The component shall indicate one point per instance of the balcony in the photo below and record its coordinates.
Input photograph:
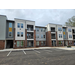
(73, 31)
(30, 28)
(73, 37)
(30, 35)
(52, 29)
(53, 38)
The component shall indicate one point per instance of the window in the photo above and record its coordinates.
(70, 36)
(41, 43)
(22, 43)
(18, 43)
(41, 36)
(10, 29)
(37, 29)
(69, 29)
(41, 29)
(21, 25)
(37, 43)
(44, 42)
(37, 35)
(18, 25)
(70, 42)
(10, 33)
(18, 34)
(10, 25)
(60, 35)
(21, 34)
(44, 36)
(59, 29)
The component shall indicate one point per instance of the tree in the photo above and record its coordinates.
(71, 21)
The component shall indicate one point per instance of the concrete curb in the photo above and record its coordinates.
(22, 49)
(40, 48)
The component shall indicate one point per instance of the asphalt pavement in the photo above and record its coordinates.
(38, 57)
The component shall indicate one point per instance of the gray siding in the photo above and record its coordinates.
(2, 27)
(7, 29)
(40, 33)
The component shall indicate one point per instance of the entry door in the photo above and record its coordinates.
(29, 43)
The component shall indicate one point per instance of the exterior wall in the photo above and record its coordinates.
(30, 23)
(2, 44)
(48, 39)
(40, 33)
(40, 44)
(19, 29)
(59, 32)
(69, 33)
(34, 38)
(7, 29)
(2, 27)
(71, 44)
(19, 46)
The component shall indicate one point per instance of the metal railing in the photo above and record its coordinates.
(53, 38)
(52, 30)
(29, 37)
(29, 29)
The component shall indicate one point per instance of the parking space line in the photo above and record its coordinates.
(24, 52)
(48, 50)
(36, 51)
(8, 53)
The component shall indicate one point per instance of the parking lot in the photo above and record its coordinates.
(38, 57)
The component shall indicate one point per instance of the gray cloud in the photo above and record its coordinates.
(40, 16)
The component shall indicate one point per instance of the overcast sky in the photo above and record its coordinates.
(41, 16)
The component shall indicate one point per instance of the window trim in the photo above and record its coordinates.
(21, 32)
(36, 35)
(17, 34)
(41, 35)
(11, 34)
(59, 29)
(22, 25)
(17, 25)
(69, 29)
(38, 43)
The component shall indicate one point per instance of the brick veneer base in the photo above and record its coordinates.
(2, 44)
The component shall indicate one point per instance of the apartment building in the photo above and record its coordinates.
(20, 33)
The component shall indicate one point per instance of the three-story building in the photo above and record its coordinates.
(20, 33)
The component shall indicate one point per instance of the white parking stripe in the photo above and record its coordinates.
(24, 52)
(8, 53)
(48, 50)
(36, 51)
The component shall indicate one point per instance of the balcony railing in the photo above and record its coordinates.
(29, 37)
(29, 29)
(53, 38)
(52, 30)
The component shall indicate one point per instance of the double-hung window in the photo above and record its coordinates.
(21, 34)
(22, 25)
(18, 34)
(18, 25)
(37, 35)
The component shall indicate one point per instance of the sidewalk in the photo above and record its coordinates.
(25, 49)
(63, 48)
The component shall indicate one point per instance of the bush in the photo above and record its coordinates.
(68, 46)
